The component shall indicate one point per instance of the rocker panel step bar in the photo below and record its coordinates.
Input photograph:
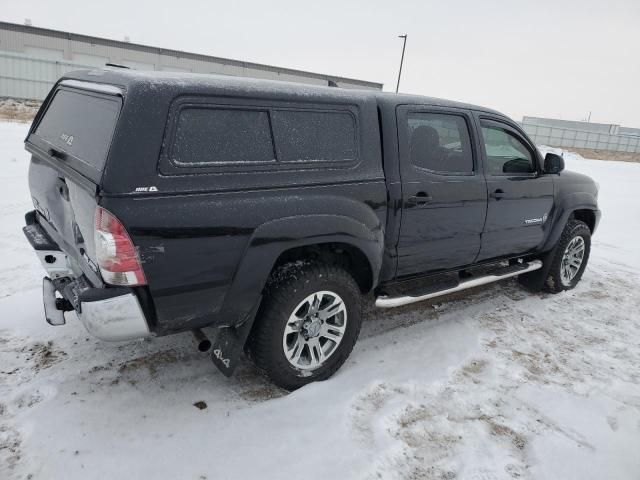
(390, 302)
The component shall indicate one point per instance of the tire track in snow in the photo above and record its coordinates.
(573, 341)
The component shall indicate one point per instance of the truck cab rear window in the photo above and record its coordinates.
(81, 125)
(206, 136)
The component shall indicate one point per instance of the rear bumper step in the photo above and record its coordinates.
(512, 271)
(53, 260)
(52, 313)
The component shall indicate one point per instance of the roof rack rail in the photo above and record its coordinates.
(115, 65)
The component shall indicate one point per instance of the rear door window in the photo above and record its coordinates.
(440, 143)
(80, 125)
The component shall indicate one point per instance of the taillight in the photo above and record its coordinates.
(117, 256)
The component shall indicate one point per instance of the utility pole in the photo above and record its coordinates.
(404, 44)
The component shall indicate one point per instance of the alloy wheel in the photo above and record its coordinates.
(314, 330)
(572, 260)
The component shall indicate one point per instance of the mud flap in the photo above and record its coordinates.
(534, 281)
(229, 343)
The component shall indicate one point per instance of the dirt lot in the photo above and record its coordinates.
(17, 110)
(605, 155)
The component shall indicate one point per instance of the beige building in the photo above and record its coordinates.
(32, 59)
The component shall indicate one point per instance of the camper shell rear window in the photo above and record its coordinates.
(77, 128)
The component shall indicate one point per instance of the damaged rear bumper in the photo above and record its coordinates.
(109, 313)
(112, 314)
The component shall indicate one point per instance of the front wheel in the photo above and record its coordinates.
(308, 324)
(572, 255)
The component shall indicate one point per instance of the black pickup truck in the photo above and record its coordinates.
(167, 202)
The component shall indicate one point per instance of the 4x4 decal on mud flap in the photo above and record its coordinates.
(218, 354)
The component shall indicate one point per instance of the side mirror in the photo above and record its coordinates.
(517, 165)
(553, 163)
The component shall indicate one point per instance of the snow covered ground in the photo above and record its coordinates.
(499, 383)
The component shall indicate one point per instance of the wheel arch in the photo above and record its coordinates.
(345, 255)
(588, 214)
(585, 215)
(582, 206)
(338, 239)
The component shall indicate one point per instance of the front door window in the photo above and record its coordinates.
(506, 153)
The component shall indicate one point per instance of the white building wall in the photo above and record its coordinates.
(32, 59)
(596, 136)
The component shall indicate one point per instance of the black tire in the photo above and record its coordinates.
(555, 282)
(287, 288)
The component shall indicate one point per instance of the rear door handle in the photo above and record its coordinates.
(55, 153)
(419, 199)
(498, 194)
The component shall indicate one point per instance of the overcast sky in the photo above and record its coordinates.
(558, 59)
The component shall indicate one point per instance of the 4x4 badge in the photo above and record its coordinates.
(218, 354)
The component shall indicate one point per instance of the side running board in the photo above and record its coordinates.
(512, 271)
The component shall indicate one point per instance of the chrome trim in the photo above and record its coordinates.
(59, 267)
(390, 302)
(115, 319)
(52, 314)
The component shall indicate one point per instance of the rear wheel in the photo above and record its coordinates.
(307, 325)
(571, 257)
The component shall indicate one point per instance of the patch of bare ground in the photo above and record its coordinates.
(43, 355)
(18, 110)
(10, 452)
(151, 362)
(254, 387)
(500, 430)
(261, 394)
(589, 153)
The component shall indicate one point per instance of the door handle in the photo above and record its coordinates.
(498, 194)
(419, 199)
(55, 153)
